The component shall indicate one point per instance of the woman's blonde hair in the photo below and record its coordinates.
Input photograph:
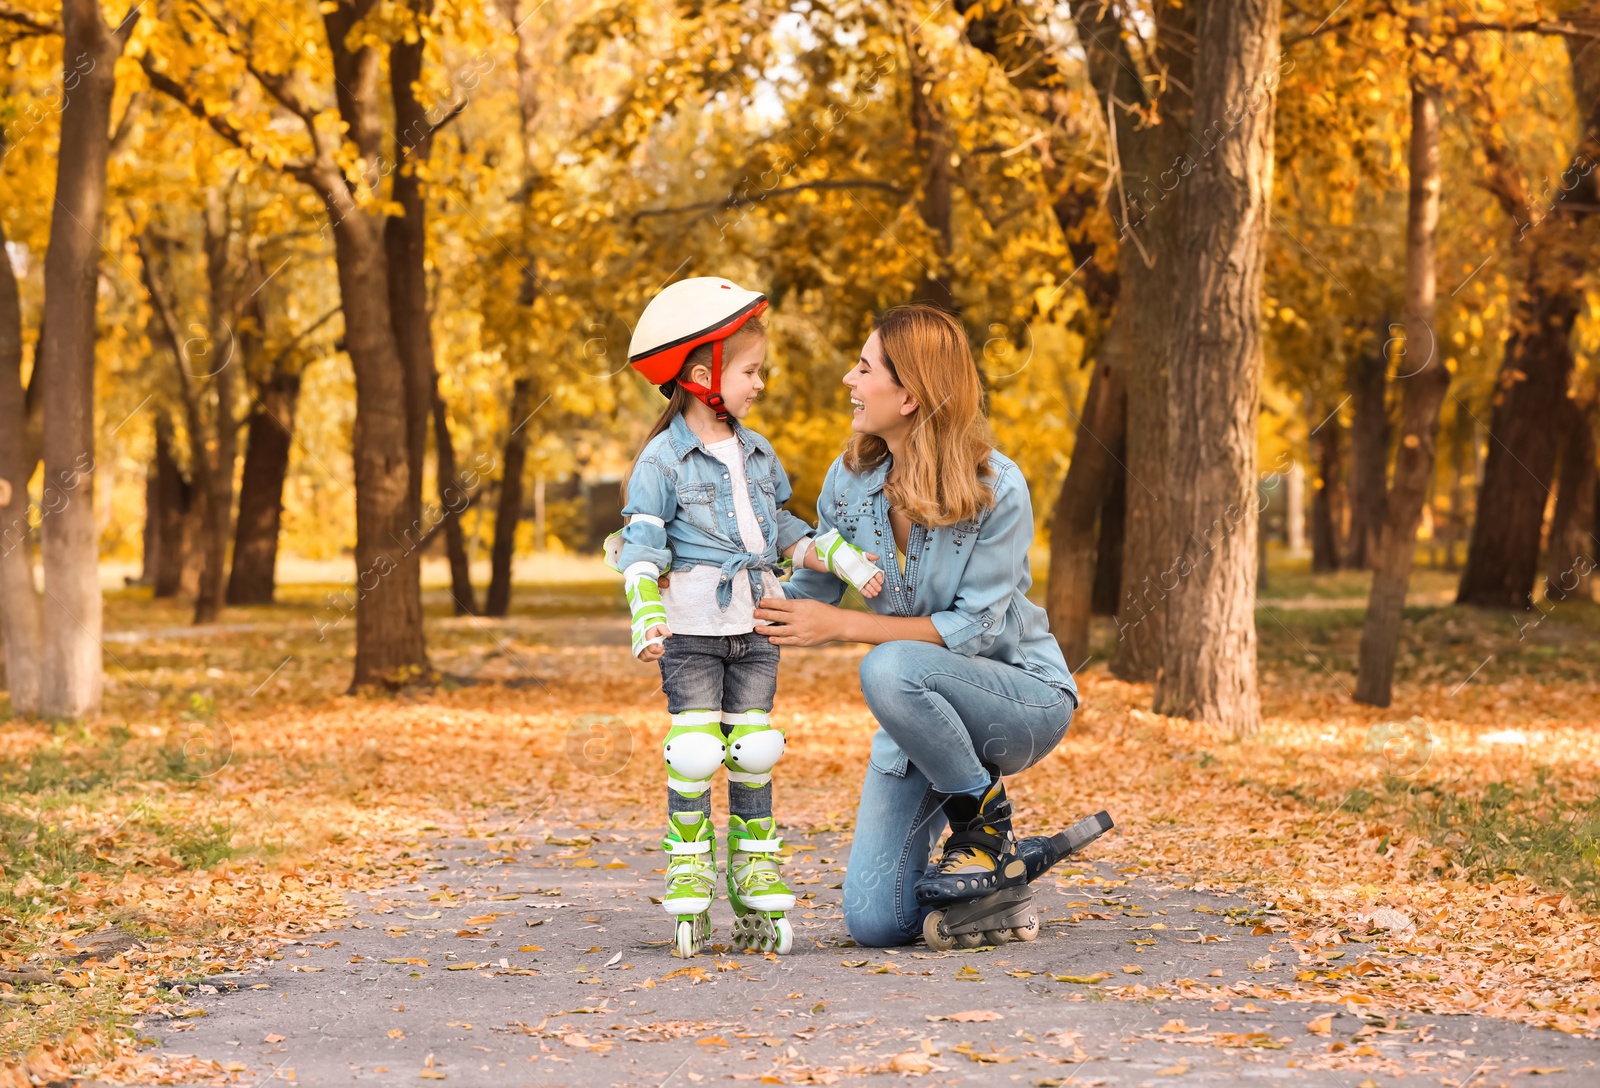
(944, 479)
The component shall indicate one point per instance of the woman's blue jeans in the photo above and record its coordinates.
(944, 721)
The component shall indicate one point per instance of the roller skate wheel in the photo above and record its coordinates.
(933, 932)
(969, 940)
(1029, 931)
(686, 938)
(785, 936)
(996, 936)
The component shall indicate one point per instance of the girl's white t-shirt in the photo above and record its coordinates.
(690, 596)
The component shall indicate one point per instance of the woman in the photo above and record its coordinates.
(965, 680)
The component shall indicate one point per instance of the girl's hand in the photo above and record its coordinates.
(814, 561)
(798, 622)
(653, 652)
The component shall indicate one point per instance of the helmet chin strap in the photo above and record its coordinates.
(711, 398)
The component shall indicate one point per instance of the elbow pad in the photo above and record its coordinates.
(845, 560)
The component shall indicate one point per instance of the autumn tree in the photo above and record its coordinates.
(1192, 110)
(1552, 243)
(61, 631)
(347, 170)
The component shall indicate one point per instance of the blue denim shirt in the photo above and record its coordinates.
(677, 483)
(970, 578)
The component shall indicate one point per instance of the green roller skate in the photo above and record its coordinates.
(756, 890)
(690, 844)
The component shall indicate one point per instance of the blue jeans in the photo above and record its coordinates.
(944, 720)
(719, 672)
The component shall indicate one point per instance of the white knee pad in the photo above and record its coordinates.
(754, 747)
(694, 749)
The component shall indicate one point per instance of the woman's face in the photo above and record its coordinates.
(882, 406)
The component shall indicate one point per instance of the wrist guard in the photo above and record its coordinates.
(644, 601)
(845, 560)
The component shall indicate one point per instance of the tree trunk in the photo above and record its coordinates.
(19, 595)
(1108, 548)
(389, 639)
(453, 500)
(509, 511)
(406, 243)
(1147, 214)
(1209, 667)
(1085, 562)
(1369, 448)
(1422, 392)
(174, 515)
(1461, 443)
(269, 435)
(1096, 457)
(1572, 528)
(200, 494)
(1327, 500)
(221, 366)
(1295, 530)
(69, 544)
(934, 205)
(150, 536)
(405, 238)
(1503, 557)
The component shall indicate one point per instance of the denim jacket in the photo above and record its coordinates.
(970, 578)
(680, 508)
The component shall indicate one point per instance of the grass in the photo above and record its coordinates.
(1513, 827)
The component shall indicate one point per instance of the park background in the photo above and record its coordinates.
(1288, 317)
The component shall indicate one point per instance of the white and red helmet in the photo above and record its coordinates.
(686, 314)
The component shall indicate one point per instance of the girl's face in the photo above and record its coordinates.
(882, 406)
(741, 377)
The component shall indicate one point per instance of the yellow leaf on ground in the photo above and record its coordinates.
(912, 1061)
(970, 1016)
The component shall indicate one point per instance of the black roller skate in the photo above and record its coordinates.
(980, 855)
(1007, 913)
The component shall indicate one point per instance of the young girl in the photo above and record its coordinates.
(706, 499)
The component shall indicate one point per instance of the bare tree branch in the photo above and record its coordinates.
(32, 25)
(734, 200)
(302, 334)
(124, 130)
(275, 83)
(300, 171)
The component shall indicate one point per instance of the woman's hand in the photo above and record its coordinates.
(798, 622)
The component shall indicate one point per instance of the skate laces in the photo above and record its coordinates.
(752, 858)
(691, 856)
